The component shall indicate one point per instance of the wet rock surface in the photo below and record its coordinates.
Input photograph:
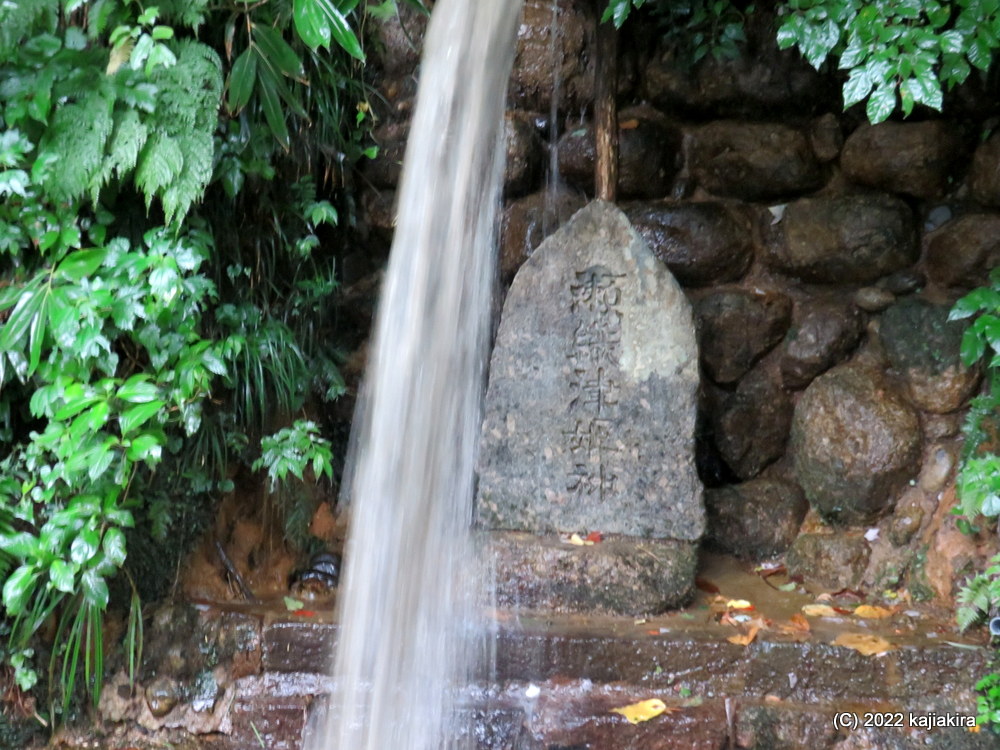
(628, 576)
(823, 334)
(855, 443)
(524, 153)
(961, 253)
(535, 71)
(984, 176)
(701, 243)
(737, 327)
(911, 158)
(751, 85)
(835, 561)
(924, 347)
(850, 238)
(528, 221)
(754, 161)
(752, 423)
(755, 520)
(647, 155)
(590, 410)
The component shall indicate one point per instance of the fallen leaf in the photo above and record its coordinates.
(790, 586)
(771, 698)
(869, 612)
(799, 622)
(746, 639)
(293, 605)
(738, 604)
(629, 124)
(595, 537)
(819, 610)
(305, 613)
(642, 711)
(824, 597)
(867, 644)
(706, 585)
(578, 541)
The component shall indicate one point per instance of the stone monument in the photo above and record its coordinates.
(589, 427)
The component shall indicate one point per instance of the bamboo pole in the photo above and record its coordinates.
(606, 110)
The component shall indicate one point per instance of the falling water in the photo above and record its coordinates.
(411, 575)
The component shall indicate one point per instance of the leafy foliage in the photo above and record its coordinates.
(139, 356)
(980, 596)
(898, 54)
(895, 54)
(979, 478)
(988, 702)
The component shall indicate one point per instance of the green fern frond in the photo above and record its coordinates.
(77, 138)
(190, 13)
(129, 138)
(160, 162)
(198, 149)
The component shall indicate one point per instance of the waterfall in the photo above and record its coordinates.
(411, 578)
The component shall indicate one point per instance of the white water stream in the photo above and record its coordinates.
(412, 577)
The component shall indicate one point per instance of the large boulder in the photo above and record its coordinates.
(737, 327)
(823, 334)
(961, 252)
(835, 561)
(701, 243)
(855, 442)
(647, 155)
(984, 176)
(912, 158)
(536, 73)
(843, 239)
(528, 221)
(754, 161)
(524, 154)
(924, 347)
(752, 423)
(756, 519)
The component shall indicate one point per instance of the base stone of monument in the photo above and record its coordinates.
(589, 426)
(620, 575)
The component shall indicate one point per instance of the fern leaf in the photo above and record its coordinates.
(198, 150)
(20, 20)
(160, 162)
(129, 138)
(77, 139)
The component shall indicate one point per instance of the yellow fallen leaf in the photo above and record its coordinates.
(641, 711)
(744, 640)
(869, 645)
(578, 541)
(872, 613)
(819, 610)
(739, 604)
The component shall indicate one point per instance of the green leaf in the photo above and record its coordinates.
(21, 545)
(341, 30)
(84, 546)
(15, 330)
(63, 576)
(271, 104)
(138, 390)
(857, 87)
(310, 23)
(882, 103)
(19, 586)
(138, 415)
(145, 447)
(276, 51)
(95, 589)
(114, 546)
(972, 349)
(241, 81)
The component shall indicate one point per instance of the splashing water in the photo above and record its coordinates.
(407, 604)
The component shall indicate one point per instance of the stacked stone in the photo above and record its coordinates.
(821, 256)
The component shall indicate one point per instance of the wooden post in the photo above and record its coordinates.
(606, 110)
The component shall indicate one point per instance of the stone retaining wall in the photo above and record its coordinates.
(821, 253)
